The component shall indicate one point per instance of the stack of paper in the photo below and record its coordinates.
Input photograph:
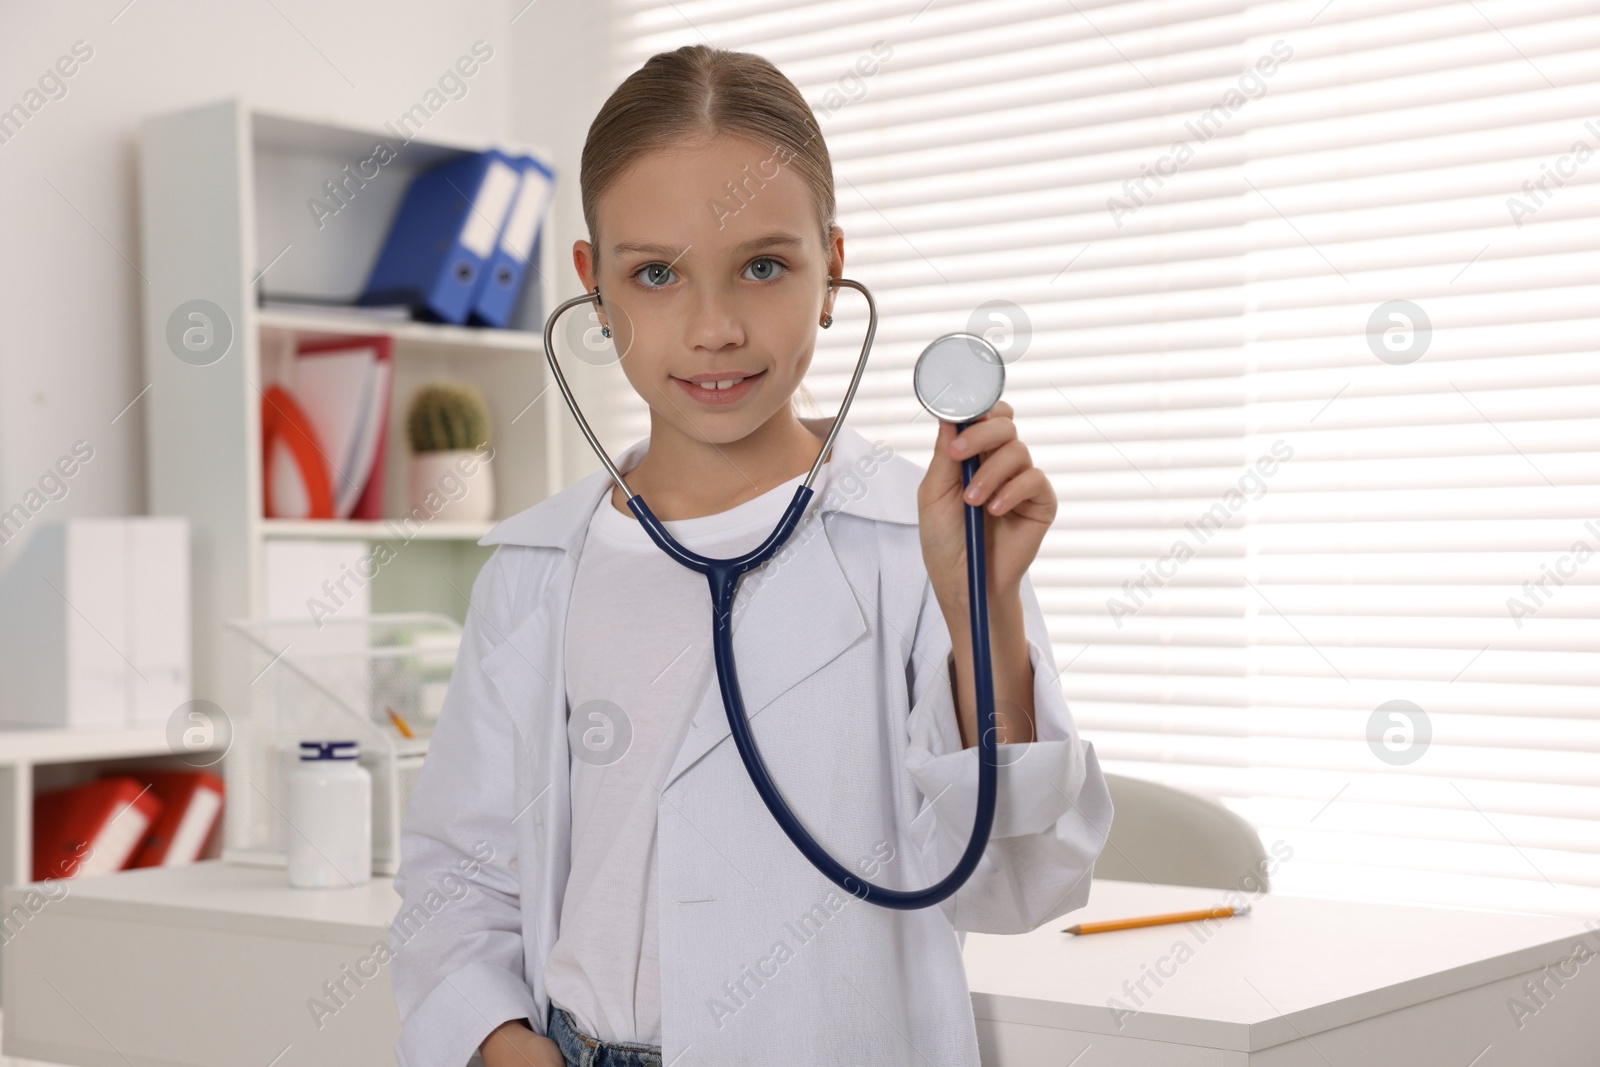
(335, 309)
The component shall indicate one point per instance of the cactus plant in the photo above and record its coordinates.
(447, 416)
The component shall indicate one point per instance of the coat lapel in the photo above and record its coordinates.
(792, 617)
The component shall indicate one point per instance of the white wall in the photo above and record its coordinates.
(69, 280)
(562, 74)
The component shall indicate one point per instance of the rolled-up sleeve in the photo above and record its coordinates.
(1052, 808)
(456, 945)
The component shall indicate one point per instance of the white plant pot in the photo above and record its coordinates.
(453, 486)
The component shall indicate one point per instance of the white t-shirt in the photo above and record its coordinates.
(638, 663)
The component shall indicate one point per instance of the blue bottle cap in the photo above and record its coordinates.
(319, 750)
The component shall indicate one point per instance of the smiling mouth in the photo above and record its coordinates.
(721, 383)
(720, 392)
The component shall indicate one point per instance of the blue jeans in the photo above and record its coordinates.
(581, 1050)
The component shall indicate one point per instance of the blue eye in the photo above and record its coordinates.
(654, 275)
(774, 269)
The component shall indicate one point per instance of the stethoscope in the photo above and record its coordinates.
(958, 378)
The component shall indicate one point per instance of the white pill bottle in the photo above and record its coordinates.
(330, 817)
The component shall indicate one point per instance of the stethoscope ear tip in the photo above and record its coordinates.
(959, 377)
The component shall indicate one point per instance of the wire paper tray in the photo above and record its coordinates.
(337, 679)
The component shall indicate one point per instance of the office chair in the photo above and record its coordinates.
(1166, 835)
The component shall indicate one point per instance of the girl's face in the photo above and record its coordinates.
(711, 270)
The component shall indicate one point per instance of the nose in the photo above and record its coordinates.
(715, 321)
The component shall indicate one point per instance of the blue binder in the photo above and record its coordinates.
(501, 287)
(443, 234)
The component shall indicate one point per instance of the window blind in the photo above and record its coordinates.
(1300, 308)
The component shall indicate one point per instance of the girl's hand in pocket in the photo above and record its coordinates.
(512, 1044)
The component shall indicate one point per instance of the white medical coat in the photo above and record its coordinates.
(844, 661)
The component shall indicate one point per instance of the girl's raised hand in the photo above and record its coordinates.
(1018, 506)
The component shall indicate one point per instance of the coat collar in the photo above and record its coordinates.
(561, 520)
(803, 586)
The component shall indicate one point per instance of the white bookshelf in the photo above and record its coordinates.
(224, 192)
(370, 531)
(437, 335)
(39, 759)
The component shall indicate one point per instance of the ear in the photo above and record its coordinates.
(583, 260)
(835, 268)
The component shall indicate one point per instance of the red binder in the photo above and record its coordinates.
(359, 422)
(192, 805)
(91, 829)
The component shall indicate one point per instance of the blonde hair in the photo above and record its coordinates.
(695, 93)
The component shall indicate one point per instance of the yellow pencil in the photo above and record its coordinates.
(399, 723)
(1157, 920)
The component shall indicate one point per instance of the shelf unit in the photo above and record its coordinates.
(35, 760)
(428, 333)
(226, 196)
(371, 531)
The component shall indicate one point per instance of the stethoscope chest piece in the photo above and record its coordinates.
(959, 377)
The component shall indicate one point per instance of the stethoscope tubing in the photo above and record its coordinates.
(723, 576)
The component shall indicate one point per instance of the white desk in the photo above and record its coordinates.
(207, 964)
(217, 964)
(1299, 982)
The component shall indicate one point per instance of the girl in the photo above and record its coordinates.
(588, 876)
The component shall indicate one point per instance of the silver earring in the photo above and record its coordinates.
(605, 331)
(827, 320)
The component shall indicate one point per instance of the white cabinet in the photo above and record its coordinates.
(234, 201)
